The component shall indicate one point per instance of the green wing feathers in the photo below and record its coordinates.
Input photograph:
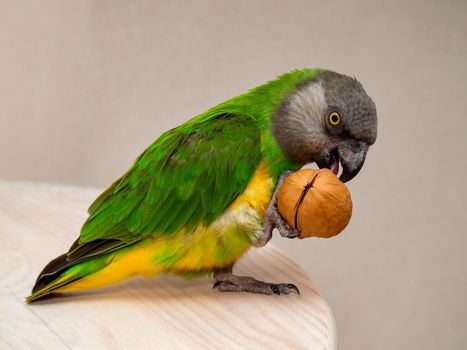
(190, 175)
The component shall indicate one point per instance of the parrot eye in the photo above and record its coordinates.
(334, 118)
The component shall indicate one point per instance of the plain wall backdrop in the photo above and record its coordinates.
(86, 86)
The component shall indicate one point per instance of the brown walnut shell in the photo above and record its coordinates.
(315, 202)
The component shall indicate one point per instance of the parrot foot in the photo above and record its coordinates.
(227, 282)
(272, 218)
(284, 229)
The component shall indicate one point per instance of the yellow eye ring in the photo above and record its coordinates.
(334, 118)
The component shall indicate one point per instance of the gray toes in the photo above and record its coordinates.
(254, 286)
(275, 289)
(225, 286)
(286, 231)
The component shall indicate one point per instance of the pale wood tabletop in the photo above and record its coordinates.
(39, 222)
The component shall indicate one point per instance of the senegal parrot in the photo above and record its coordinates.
(206, 191)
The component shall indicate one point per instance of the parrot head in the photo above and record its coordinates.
(328, 120)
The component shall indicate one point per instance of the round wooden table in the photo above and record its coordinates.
(39, 222)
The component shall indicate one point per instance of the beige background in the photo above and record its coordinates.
(85, 86)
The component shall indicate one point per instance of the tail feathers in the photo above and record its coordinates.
(51, 271)
(50, 288)
(80, 254)
(61, 272)
(96, 264)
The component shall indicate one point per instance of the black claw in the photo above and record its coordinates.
(292, 234)
(275, 289)
(294, 287)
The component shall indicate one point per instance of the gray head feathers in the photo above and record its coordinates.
(300, 125)
(358, 110)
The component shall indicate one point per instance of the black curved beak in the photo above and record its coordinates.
(351, 154)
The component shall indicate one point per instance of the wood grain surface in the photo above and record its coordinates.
(39, 222)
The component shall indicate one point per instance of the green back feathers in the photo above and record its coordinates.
(193, 172)
(261, 104)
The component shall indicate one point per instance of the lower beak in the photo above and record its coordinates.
(352, 155)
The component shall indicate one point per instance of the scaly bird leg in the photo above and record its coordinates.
(226, 281)
(272, 218)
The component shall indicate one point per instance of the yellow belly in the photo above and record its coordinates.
(207, 248)
(231, 235)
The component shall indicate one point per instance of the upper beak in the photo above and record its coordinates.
(352, 155)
